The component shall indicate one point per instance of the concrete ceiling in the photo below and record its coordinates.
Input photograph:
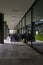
(14, 10)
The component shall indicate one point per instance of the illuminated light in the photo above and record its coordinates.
(41, 20)
(36, 32)
(12, 31)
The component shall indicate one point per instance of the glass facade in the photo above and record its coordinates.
(33, 21)
(28, 18)
(20, 27)
(38, 10)
(38, 20)
(23, 22)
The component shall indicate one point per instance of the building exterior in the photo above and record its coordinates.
(33, 15)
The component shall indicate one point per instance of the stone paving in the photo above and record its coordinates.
(19, 53)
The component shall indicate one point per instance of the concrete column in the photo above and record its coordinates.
(6, 30)
(1, 28)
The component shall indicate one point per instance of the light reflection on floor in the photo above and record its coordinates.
(7, 40)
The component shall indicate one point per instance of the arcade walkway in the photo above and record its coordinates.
(19, 53)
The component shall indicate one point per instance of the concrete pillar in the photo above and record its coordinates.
(1, 28)
(6, 30)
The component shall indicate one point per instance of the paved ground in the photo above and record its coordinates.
(19, 53)
(38, 45)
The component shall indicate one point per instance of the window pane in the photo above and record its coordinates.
(38, 10)
(23, 21)
(28, 18)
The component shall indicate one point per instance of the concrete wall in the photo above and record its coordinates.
(1, 27)
(6, 30)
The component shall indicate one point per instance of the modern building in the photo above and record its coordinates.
(23, 19)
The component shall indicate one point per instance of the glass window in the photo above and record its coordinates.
(38, 10)
(38, 19)
(23, 22)
(22, 31)
(28, 18)
(20, 24)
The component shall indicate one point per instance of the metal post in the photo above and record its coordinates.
(31, 24)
